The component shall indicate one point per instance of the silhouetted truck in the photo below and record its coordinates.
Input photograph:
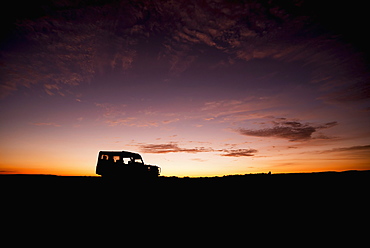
(124, 164)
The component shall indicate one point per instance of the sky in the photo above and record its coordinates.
(199, 88)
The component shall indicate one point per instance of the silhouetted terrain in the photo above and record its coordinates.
(294, 180)
(296, 185)
(311, 205)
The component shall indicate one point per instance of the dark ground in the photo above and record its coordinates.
(276, 189)
(313, 204)
(348, 184)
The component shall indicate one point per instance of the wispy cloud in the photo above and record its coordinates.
(351, 92)
(198, 160)
(362, 148)
(122, 114)
(170, 121)
(132, 122)
(51, 89)
(46, 124)
(112, 110)
(239, 152)
(171, 148)
(174, 148)
(291, 130)
(68, 47)
(237, 110)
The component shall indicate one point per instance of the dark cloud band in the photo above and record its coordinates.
(173, 148)
(291, 130)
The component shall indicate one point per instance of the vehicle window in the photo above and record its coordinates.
(138, 160)
(126, 160)
(116, 159)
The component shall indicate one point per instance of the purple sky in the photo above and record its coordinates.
(197, 87)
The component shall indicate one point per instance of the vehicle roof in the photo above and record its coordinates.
(121, 153)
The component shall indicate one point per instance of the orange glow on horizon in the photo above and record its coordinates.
(89, 170)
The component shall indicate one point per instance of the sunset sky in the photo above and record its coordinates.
(199, 88)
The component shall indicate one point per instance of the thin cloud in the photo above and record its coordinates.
(51, 89)
(239, 152)
(348, 149)
(291, 130)
(171, 148)
(170, 121)
(174, 148)
(112, 110)
(236, 110)
(353, 92)
(199, 160)
(132, 122)
(46, 124)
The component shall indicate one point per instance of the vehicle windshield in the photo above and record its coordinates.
(138, 160)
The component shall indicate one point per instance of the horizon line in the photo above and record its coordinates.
(229, 175)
